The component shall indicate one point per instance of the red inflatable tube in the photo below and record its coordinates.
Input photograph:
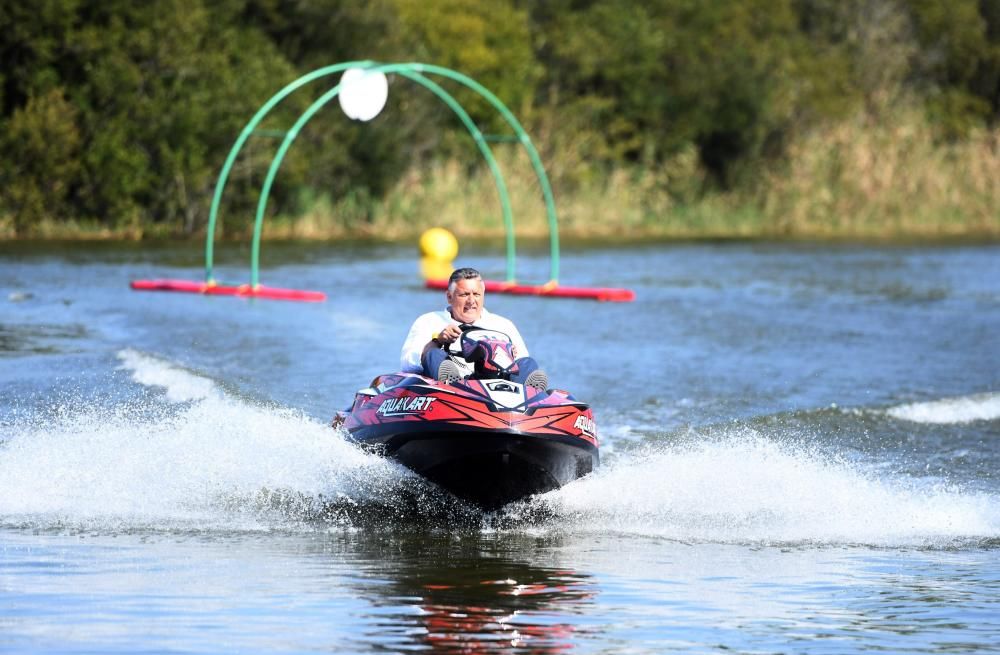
(605, 294)
(243, 290)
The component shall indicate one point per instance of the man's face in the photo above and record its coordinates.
(466, 301)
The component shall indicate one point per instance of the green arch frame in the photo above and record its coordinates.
(414, 72)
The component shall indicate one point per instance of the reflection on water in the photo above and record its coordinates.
(476, 613)
(484, 596)
(38, 339)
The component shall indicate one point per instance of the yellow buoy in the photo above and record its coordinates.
(435, 269)
(438, 249)
(439, 243)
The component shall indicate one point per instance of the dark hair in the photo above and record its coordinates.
(462, 274)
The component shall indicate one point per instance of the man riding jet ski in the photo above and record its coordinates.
(426, 347)
(471, 411)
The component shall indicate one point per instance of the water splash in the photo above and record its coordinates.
(746, 488)
(179, 384)
(190, 456)
(193, 458)
(963, 409)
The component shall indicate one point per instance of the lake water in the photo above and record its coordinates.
(800, 453)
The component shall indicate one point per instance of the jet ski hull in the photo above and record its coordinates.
(488, 442)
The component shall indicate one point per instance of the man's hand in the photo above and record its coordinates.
(450, 334)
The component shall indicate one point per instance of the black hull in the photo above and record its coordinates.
(489, 469)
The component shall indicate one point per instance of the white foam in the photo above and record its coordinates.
(209, 463)
(964, 409)
(201, 459)
(746, 488)
(180, 385)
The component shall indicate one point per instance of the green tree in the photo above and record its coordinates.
(159, 92)
(32, 49)
(958, 66)
(41, 146)
(661, 75)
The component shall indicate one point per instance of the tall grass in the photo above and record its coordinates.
(857, 179)
(625, 203)
(886, 179)
(860, 178)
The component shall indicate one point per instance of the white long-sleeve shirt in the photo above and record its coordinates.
(431, 323)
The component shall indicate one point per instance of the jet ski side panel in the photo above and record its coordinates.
(485, 443)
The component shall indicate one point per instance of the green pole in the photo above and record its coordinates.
(484, 148)
(412, 71)
(220, 184)
(536, 160)
(404, 70)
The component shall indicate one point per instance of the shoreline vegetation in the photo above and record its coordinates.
(677, 119)
(860, 180)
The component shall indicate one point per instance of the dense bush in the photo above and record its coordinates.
(119, 114)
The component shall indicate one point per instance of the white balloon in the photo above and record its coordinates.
(363, 93)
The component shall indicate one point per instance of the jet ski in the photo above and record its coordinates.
(484, 437)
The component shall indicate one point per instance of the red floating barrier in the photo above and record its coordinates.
(243, 290)
(604, 294)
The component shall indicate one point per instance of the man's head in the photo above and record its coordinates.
(465, 295)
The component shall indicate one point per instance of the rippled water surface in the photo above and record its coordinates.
(799, 454)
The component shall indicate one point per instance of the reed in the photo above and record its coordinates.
(891, 179)
(623, 204)
(79, 230)
(857, 179)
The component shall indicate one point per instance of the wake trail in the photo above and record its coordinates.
(962, 409)
(194, 458)
(748, 488)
